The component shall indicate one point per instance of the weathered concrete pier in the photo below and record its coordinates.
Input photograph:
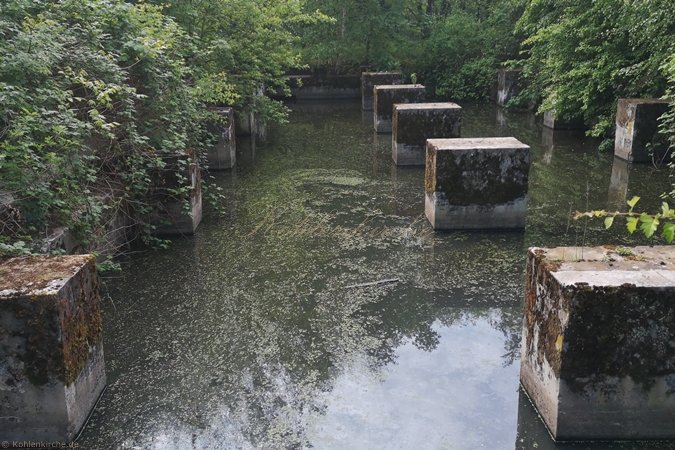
(637, 138)
(172, 218)
(508, 85)
(476, 183)
(51, 350)
(414, 123)
(598, 348)
(371, 79)
(386, 96)
(223, 154)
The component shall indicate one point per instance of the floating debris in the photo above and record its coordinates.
(374, 283)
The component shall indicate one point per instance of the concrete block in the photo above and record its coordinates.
(550, 121)
(508, 85)
(637, 138)
(476, 183)
(51, 351)
(414, 123)
(598, 346)
(223, 154)
(386, 96)
(371, 79)
(171, 216)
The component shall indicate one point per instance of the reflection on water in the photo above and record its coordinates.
(245, 335)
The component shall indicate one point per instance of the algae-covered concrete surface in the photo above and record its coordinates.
(244, 336)
(414, 123)
(371, 79)
(386, 96)
(599, 341)
(51, 353)
(476, 183)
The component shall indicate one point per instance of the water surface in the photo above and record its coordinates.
(251, 334)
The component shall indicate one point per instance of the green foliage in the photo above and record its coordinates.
(455, 46)
(93, 95)
(242, 48)
(580, 57)
(463, 52)
(649, 223)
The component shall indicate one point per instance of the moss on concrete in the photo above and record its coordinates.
(475, 177)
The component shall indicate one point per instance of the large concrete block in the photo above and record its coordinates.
(476, 183)
(51, 352)
(386, 96)
(598, 348)
(223, 154)
(180, 210)
(637, 138)
(508, 85)
(371, 79)
(554, 123)
(414, 123)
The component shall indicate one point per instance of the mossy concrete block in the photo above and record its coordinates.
(223, 154)
(371, 79)
(598, 348)
(637, 138)
(414, 123)
(386, 96)
(51, 351)
(476, 183)
(555, 123)
(508, 85)
(178, 213)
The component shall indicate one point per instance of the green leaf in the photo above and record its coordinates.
(633, 201)
(649, 225)
(665, 209)
(609, 221)
(669, 232)
(631, 224)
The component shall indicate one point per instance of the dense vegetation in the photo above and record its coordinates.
(97, 95)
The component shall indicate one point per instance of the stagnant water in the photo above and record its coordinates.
(249, 334)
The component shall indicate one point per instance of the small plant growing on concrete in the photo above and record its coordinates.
(624, 251)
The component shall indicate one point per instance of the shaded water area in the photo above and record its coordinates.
(251, 334)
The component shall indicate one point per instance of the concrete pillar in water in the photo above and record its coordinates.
(414, 123)
(371, 79)
(172, 206)
(386, 96)
(508, 85)
(51, 351)
(476, 183)
(550, 121)
(245, 123)
(637, 135)
(223, 154)
(598, 349)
